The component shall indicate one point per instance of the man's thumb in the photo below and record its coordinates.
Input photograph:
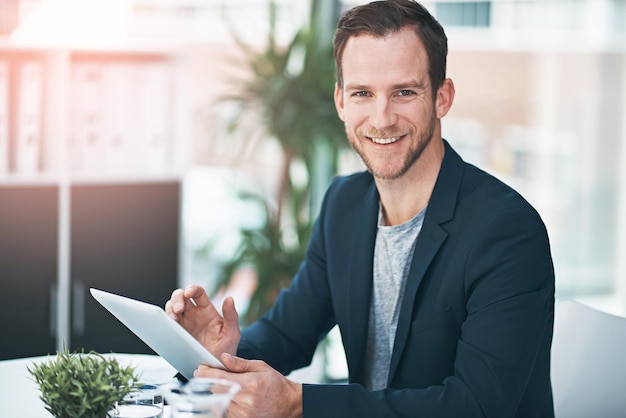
(234, 363)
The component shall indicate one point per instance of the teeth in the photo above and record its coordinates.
(384, 141)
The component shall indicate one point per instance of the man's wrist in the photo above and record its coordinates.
(295, 403)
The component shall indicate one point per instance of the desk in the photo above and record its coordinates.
(19, 394)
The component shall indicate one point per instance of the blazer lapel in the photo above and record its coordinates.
(432, 236)
(360, 281)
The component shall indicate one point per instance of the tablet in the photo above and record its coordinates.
(164, 335)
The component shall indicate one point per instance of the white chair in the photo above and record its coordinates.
(588, 362)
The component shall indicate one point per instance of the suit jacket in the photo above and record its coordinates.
(475, 326)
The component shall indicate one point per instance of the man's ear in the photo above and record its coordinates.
(444, 98)
(339, 101)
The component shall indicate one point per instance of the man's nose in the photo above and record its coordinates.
(383, 114)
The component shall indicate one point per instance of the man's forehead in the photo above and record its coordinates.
(396, 47)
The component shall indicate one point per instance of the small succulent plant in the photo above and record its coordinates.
(82, 385)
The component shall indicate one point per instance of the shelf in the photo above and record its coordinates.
(99, 116)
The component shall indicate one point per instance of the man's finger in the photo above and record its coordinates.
(176, 304)
(198, 295)
(168, 309)
(231, 318)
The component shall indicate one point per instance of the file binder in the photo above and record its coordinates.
(156, 117)
(87, 119)
(4, 118)
(121, 102)
(29, 116)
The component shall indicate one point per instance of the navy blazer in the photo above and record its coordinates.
(475, 326)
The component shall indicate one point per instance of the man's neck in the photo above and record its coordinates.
(402, 198)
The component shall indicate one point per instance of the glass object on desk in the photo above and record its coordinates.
(145, 403)
(200, 397)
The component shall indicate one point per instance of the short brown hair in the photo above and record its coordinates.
(380, 18)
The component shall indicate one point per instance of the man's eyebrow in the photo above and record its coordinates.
(356, 87)
(417, 85)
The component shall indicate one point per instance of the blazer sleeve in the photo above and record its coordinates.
(287, 336)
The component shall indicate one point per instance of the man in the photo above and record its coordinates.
(439, 276)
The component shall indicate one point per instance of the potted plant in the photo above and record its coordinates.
(290, 91)
(79, 385)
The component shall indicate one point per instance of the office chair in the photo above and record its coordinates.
(588, 362)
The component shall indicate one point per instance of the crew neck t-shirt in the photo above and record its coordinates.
(393, 254)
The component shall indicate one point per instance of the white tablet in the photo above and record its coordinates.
(164, 335)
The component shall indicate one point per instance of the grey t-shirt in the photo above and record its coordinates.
(393, 253)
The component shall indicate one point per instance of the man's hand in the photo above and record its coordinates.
(264, 391)
(193, 309)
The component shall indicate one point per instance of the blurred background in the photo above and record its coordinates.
(149, 144)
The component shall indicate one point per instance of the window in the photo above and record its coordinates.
(465, 14)
(619, 16)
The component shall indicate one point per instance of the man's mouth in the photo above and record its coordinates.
(384, 141)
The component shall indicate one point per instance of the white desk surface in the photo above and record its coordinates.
(19, 394)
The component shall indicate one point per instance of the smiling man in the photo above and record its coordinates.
(438, 275)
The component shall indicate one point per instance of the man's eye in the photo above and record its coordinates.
(360, 94)
(406, 92)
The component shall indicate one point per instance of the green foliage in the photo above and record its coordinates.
(275, 262)
(290, 88)
(79, 385)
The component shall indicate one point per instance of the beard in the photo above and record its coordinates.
(395, 169)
